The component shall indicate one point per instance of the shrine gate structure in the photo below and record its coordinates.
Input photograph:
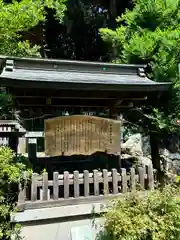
(75, 105)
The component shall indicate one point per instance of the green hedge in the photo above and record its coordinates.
(156, 217)
(11, 173)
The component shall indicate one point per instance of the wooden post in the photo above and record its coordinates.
(41, 194)
(141, 177)
(115, 181)
(21, 145)
(45, 186)
(22, 190)
(13, 143)
(150, 177)
(66, 185)
(21, 196)
(76, 184)
(55, 186)
(86, 183)
(32, 150)
(132, 179)
(105, 182)
(34, 187)
(96, 182)
(124, 180)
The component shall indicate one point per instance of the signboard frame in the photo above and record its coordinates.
(81, 135)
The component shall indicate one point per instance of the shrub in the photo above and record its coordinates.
(155, 217)
(10, 176)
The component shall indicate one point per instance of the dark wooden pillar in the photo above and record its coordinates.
(32, 151)
(13, 143)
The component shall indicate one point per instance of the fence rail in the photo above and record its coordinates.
(76, 185)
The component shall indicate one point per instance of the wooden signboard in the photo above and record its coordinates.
(78, 134)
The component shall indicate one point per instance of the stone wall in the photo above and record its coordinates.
(137, 147)
(72, 222)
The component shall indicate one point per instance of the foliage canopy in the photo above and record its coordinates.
(150, 34)
(21, 16)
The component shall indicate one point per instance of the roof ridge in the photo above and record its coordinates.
(32, 59)
(69, 65)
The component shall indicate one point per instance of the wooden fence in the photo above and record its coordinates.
(83, 185)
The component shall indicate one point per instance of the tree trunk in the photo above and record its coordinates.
(112, 8)
(156, 160)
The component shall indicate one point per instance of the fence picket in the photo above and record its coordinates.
(105, 182)
(150, 177)
(141, 177)
(132, 179)
(55, 186)
(41, 194)
(86, 183)
(115, 181)
(21, 196)
(96, 182)
(22, 189)
(34, 187)
(66, 185)
(76, 184)
(123, 180)
(45, 186)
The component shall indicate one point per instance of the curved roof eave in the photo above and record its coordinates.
(76, 74)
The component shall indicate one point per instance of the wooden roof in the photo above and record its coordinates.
(66, 74)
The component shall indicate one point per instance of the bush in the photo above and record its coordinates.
(155, 217)
(10, 176)
(24, 160)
